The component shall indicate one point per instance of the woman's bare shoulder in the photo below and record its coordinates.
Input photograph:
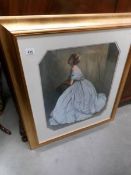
(75, 68)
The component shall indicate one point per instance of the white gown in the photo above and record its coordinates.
(78, 102)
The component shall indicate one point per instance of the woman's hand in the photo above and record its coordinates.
(68, 82)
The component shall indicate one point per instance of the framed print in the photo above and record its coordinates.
(67, 71)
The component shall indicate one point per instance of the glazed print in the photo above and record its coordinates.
(76, 83)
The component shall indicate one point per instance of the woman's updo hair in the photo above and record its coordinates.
(74, 59)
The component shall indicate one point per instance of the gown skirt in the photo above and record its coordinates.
(78, 102)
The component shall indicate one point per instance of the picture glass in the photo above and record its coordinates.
(76, 82)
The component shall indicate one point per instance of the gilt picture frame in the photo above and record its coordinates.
(67, 71)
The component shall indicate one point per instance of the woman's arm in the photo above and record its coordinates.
(71, 81)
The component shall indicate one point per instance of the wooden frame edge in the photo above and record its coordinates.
(39, 24)
(122, 83)
(11, 57)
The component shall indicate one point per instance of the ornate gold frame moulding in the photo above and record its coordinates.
(14, 26)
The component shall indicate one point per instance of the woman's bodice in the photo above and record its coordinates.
(77, 74)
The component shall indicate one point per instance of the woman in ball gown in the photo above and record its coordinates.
(79, 101)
